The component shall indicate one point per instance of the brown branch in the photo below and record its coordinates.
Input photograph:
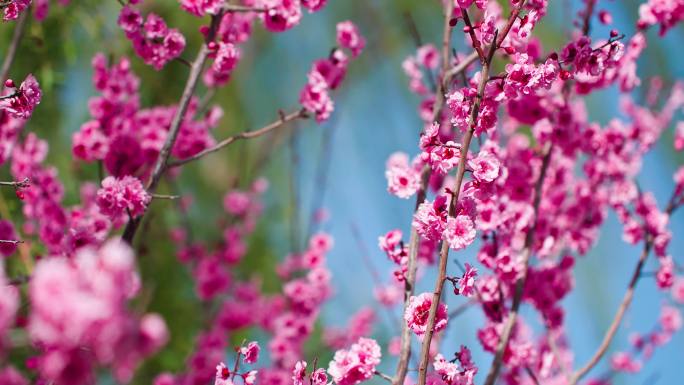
(20, 280)
(16, 184)
(384, 376)
(444, 251)
(588, 13)
(533, 376)
(624, 304)
(494, 369)
(165, 197)
(189, 90)
(242, 8)
(14, 44)
(299, 114)
(465, 145)
(414, 239)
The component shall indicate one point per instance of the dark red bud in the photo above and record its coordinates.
(20, 194)
(453, 22)
(565, 75)
(614, 33)
(466, 29)
(9, 83)
(553, 56)
(509, 50)
(212, 46)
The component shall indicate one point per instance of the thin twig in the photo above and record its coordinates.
(299, 114)
(384, 376)
(588, 13)
(624, 304)
(163, 196)
(17, 184)
(20, 280)
(242, 8)
(14, 44)
(530, 373)
(162, 159)
(414, 239)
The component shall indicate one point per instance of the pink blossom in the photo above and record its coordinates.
(390, 240)
(313, 5)
(299, 373)
(485, 167)
(451, 373)
(430, 220)
(21, 102)
(121, 196)
(350, 367)
(93, 289)
(670, 319)
(466, 284)
(416, 314)
(624, 362)
(222, 375)
(678, 290)
(11, 376)
(7, 233)
(9, 304)
(459, 232)
(348, 36)
(12, 9)
(225, 61)
(315, 98)
(679, 136)
(251, 352)
(665, 273)
(152, 40)
(402, 179)
(282, 14)
(202, 7)
(667, 13)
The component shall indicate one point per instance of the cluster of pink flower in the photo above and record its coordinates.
(21, 101)
(152, 39)
(91, 324)
(449, 371)
(125, 137)
(536, 185)
(357, 364)
(13, 8)
(327, 74)
(249, 355)
(121, 197)
(416, 314)
(667, 13)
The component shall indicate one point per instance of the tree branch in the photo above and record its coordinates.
(14, 44)
(414, 239)
(299, 114)
(624, 304)
(162, 159)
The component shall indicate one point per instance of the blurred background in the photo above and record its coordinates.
(338, 165)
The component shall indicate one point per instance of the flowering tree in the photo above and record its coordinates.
(508, 162)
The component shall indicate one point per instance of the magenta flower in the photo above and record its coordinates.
(353, 366)
(23, 100)
(416, 314)
(122, 196)
(250, 352)
(348, 36)
(459, 232)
